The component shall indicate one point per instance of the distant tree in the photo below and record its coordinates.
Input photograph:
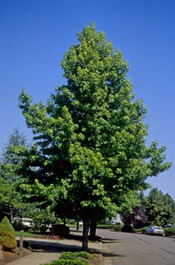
(169, 209)
(137, 217)
(90, 139)
(9, 164)
(132, 210)
(9, 158)
(160, 208)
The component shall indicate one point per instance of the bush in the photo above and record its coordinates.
(5, 221)
(140, 229)
(105, 226)
(118, 227)
(68, 255)
(84, 255)
(74, 255)
(71, 258)
(68, 262)
(169, 231)
(7, 237)
(127, 228)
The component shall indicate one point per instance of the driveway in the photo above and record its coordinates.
(137, 249)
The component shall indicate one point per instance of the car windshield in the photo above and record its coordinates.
(157, 227)
(26, 219)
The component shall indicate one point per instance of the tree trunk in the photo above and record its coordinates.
(93, 227)
(77, 224)
(85, 235)
(11, 215)
(52, 229)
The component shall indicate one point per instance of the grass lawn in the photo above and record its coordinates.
(26, 234)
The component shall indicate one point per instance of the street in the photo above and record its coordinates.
(136, 249)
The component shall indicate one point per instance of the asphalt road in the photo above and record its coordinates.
(136, 249)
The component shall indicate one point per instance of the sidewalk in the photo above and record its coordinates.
(35, 258)
(52, 251)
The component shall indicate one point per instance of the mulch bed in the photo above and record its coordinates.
(11, 256)
(96, 259)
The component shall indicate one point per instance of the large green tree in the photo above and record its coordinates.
(160, 208)
(90, 139)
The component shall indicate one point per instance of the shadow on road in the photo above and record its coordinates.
(110, 241)
(112, 254)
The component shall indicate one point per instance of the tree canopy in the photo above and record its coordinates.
(90, 138)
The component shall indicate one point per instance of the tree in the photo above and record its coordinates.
(132, 209)
(15, 139)
(90, 139)
(160, 208)
(9, 163)
(7, 235)
(137, 217)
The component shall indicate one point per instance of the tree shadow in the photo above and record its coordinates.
(79, 237)
(43, 246)
(112, 254)
(105, 253)
(110, 241)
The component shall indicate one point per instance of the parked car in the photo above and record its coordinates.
(154, 230)
(80, 223)
(27, 223)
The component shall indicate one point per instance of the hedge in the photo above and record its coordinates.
(170, 231)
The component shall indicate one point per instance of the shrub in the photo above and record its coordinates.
(140, 229)
(7, 238)
(74, 255)
(118, 227)
(105, 226)
(71, 258)
(127, 228)
(68, 262)
(83, 254)
(68, 255)
(5, 221)
(169, 231)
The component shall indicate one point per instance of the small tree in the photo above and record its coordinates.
(9, 164)
(7, 235)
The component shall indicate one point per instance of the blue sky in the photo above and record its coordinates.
(35, 34)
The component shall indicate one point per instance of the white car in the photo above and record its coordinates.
(27, 222)
(154, 230)
(80, 223)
